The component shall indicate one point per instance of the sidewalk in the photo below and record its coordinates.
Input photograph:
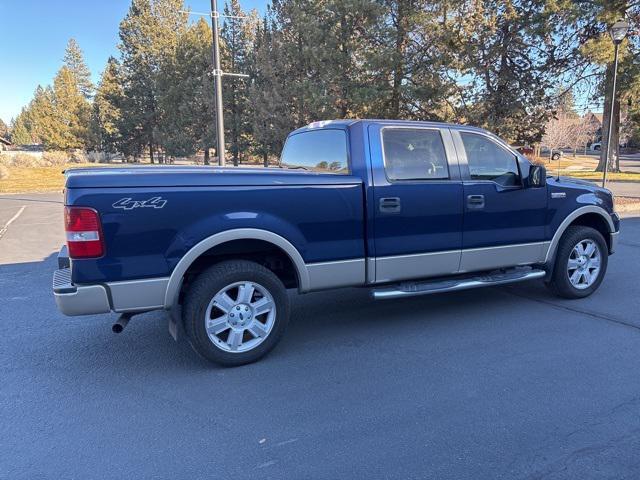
(625, 189)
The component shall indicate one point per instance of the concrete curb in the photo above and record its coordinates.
(628, 207)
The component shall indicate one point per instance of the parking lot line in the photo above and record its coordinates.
(4, 229)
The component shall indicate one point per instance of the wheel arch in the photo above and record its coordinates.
(591, 216)
(177, 276)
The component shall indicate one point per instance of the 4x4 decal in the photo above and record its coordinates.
(130, 204)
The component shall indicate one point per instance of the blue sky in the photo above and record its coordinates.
(35, 32)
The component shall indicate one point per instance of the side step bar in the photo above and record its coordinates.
(410, 289)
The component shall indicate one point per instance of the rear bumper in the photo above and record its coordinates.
(75, 300)
(127, 296)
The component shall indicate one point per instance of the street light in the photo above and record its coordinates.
(618, 32)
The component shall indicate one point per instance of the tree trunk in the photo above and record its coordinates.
(151, 152)
(614, 163)
(206, 156)
(265, 159)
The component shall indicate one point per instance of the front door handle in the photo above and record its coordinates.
(475, 202)
(390, 205)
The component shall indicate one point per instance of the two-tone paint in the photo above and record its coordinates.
(330, 226)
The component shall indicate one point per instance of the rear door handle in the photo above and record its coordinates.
(475, 202)
(390, 205)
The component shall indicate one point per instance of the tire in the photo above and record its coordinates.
(583, 265)
(555, 156)
(257, 312)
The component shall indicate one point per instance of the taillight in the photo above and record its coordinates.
(84, 232)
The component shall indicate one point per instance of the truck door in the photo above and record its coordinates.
(504, 221)
(418, 203)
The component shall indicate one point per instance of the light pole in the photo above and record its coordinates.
(618, 32)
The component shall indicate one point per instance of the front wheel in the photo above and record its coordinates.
(235, 312)
(581, 262)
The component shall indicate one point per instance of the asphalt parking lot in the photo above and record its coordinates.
(500, 383)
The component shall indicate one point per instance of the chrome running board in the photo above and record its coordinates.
(427, 287)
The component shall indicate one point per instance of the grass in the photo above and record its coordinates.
(37, 179)
(615, 176)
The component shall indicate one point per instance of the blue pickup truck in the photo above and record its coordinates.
(403, 208)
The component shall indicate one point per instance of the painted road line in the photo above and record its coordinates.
(4, 229)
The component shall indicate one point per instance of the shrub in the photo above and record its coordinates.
(78, 156)
(5, 160)
(26, 160)
(4, 172)
(56, 158)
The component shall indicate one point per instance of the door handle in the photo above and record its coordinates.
(475, 202)
(390, 205)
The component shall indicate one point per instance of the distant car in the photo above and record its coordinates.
(596, 147)
(528, 151)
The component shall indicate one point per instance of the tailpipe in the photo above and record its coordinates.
(122, 323)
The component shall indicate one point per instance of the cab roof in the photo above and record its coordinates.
(346, 123)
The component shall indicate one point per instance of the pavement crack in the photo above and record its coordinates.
(599, 316)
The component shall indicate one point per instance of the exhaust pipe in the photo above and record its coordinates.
(121, 324)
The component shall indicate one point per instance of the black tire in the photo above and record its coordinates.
(560, 283)
(555, 156)
(212, 281)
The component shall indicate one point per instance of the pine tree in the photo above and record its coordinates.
(237, 37)
(598, 49)
(270, 93)
(186, 95)
(149, 35)
(4, 129)
(74, 61)
(106, 114)
(511, 54)
(21, 130)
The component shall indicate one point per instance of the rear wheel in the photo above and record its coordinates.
(235, 312)
(581, 262)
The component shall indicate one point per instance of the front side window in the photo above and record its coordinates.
(489, 161)
(323, 151)
(414, 154)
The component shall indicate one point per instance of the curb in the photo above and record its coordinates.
(629, 207)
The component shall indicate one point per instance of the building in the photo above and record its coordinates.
(4, 143)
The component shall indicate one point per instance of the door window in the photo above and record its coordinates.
(414, 154)
(323, 151)
(489, 161)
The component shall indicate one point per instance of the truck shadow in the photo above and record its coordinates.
(340, 318)
(322, 323)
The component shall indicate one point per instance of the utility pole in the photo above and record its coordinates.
(217, 77)
(218, 74)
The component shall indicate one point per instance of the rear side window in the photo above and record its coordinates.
(323, 151)
(489, 161)
(414, 154)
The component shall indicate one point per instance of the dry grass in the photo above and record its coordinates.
(621, 176)
(37, 179)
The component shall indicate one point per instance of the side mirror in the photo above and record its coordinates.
(537, 176)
